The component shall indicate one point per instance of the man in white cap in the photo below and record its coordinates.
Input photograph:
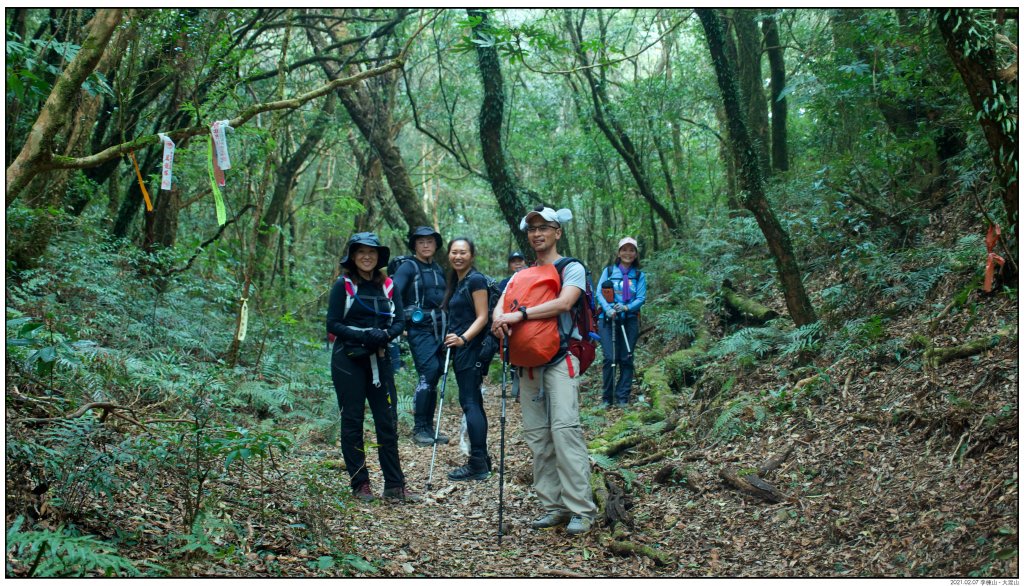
(549, 399)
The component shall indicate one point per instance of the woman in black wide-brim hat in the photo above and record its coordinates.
(365, 314)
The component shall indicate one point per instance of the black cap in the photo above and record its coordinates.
(419, 232)
(515, 255)
(366, 239)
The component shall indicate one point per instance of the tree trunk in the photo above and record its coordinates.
(613, 131)
(37, 152)
(370, 110)
(284, 183)
(748, 45)
(993, 93)
(752, 179)
(779, 108)
(492, 112)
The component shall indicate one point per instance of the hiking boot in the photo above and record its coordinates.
(363, 492)
(549, 520)
(468, 472)
(441, 438)
(423, 438)
(401, 494)
(579, 525)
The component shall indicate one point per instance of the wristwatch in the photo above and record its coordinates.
(464, 340)
(522, 310)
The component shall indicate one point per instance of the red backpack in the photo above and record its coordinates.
(536, 342)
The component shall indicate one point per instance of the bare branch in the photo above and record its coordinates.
(61, 162)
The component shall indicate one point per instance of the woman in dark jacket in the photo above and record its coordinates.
(466, 302)
(364, 316)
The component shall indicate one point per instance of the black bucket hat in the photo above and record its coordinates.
(420, 231)
(366, 239)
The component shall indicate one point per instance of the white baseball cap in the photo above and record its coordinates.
(561, 216)
(628, 240)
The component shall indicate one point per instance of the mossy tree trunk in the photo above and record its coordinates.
(37, 152)
(748, 46)
(971, 43)
(752, 178)
(503, 181)
(779, 108)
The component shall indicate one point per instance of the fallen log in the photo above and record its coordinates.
(621, 445)
(745, 307)
(650, 459)
(627, 548)
(935, 357)
(775, 461)
(751, 484)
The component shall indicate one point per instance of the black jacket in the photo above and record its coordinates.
(362, 313)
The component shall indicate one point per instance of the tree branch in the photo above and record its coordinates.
(60, 162)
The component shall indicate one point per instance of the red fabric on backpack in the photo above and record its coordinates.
(534, 342)
(584, 350)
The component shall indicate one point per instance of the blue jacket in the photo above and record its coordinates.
(638, 289)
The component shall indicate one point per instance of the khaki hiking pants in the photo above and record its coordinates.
(549, 400)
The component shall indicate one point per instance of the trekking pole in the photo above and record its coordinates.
(440, 404)
(625, 338)
(501, 460)
(615, 348)
(608, 292)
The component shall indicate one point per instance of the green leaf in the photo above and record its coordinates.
(360, 564)
(324, 562)
(1005, 554)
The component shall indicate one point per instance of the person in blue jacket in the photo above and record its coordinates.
(621, 315)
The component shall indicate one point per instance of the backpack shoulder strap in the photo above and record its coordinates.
(350, 294)
(563, 262)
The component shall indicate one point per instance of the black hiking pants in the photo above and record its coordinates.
(428, 357)
(353, 383)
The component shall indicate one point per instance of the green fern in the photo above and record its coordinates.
(727, 424)
(806, 338)
(61, 553)
(605, 462)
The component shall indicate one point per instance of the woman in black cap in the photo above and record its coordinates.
(421, 282)
(364, 314)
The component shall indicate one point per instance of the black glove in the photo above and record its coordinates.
(376, 338)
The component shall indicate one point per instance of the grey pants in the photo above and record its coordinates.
(551, 427)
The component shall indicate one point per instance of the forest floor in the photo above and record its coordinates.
(893, 473)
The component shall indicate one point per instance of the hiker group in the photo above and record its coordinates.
(543, 318)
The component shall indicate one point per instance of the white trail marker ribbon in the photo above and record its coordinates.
(168, 161)
(220, 144)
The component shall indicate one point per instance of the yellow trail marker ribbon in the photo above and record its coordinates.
(142, 185)
(218, 200)
(243, 320)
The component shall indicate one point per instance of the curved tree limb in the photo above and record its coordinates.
(44, 160)
(38, 148)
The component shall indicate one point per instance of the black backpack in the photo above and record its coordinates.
(489, 345)
(395, 263)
